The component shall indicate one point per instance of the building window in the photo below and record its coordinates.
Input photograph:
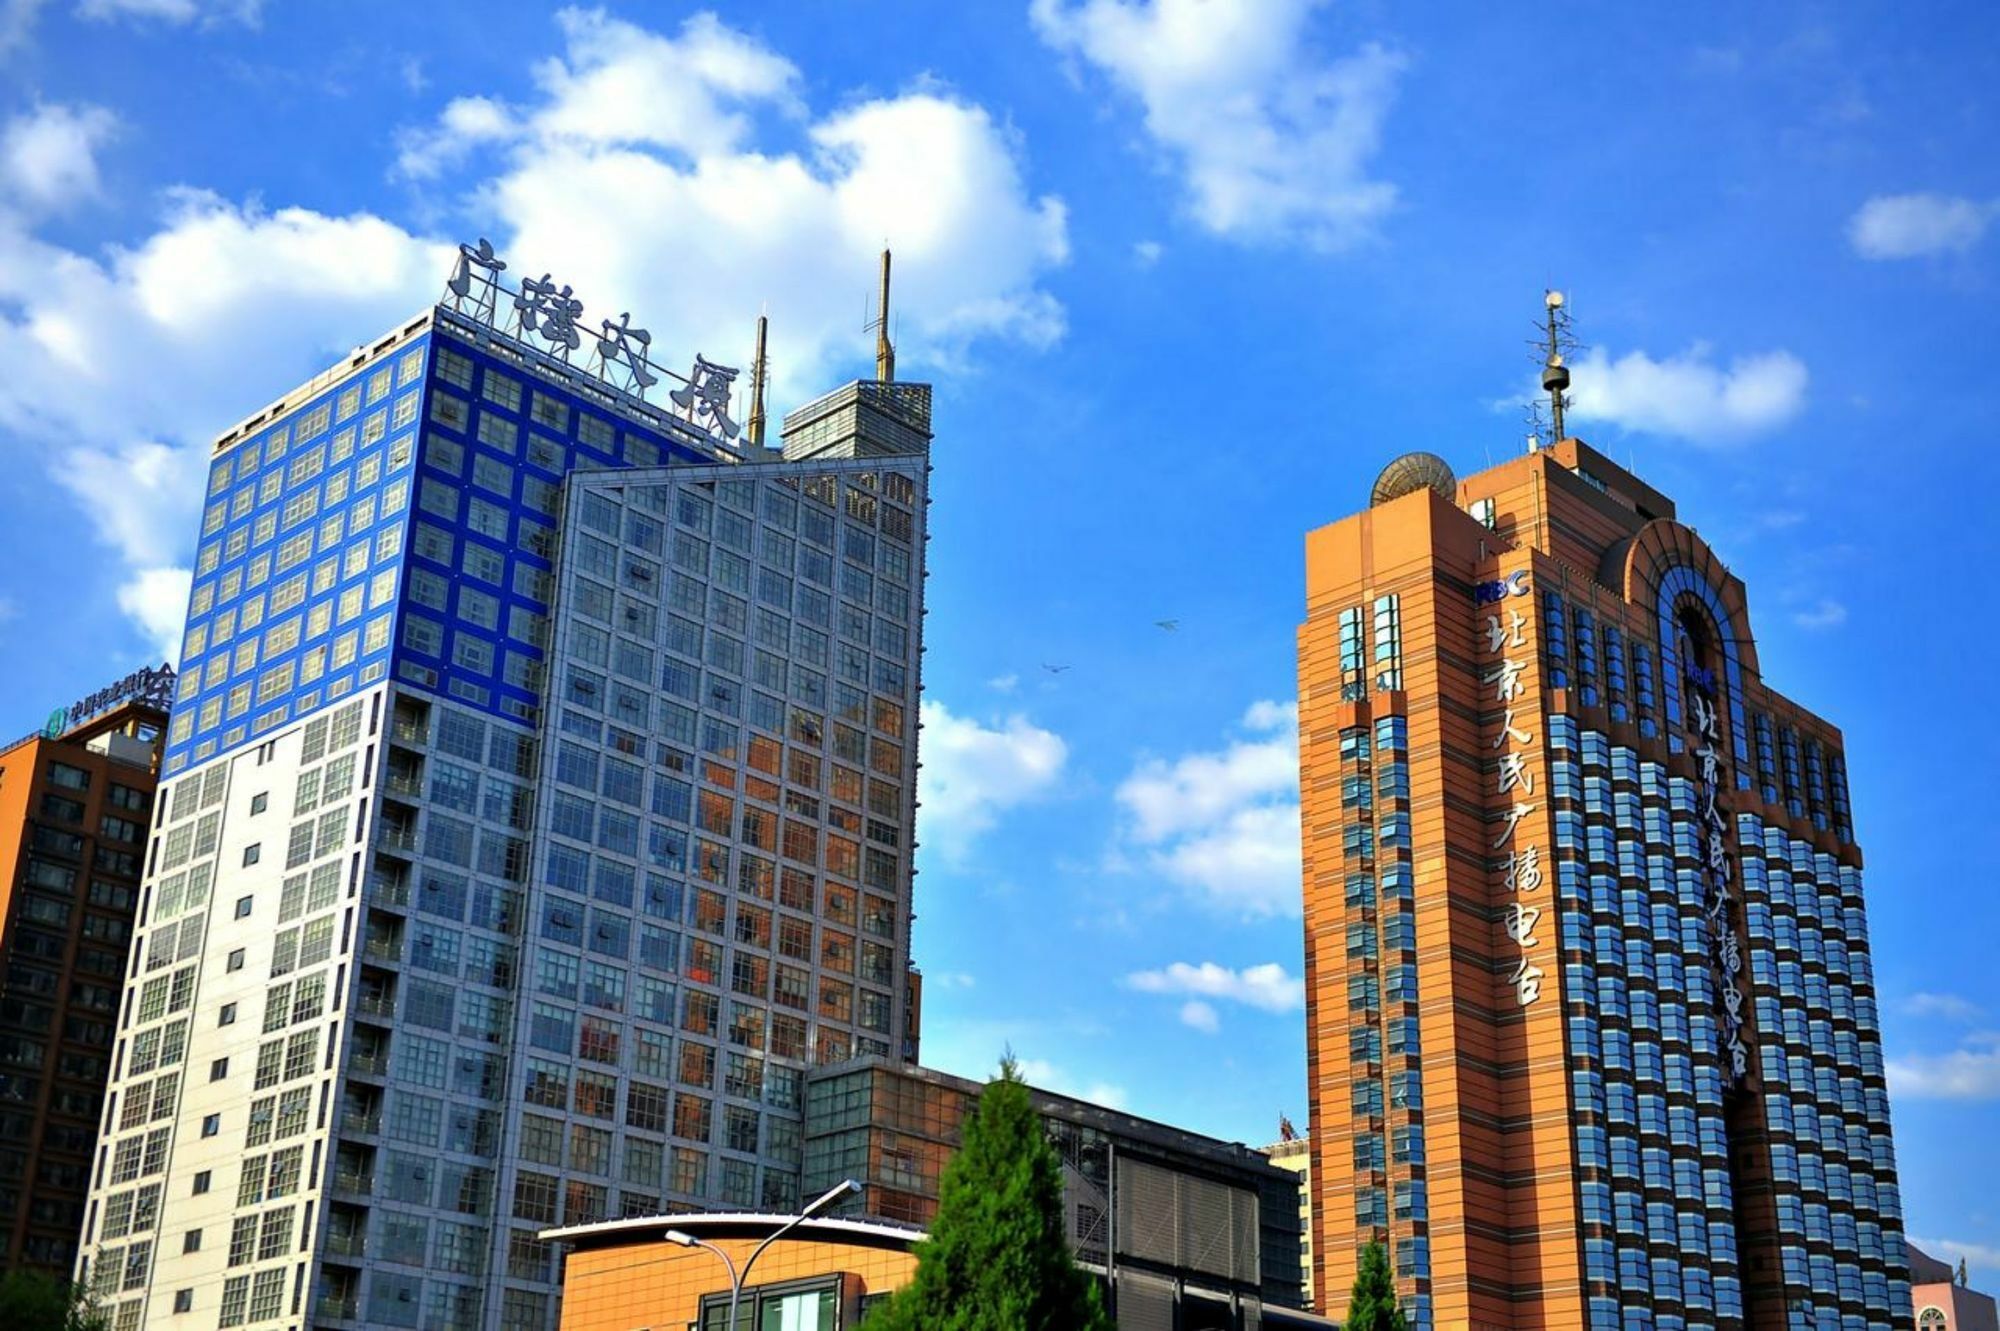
(218, 1069)
(211, 1125)
(236, 960)
(184, 1298)
(243, 903)
(201, 1181)
(251, 854)
(226, 1017)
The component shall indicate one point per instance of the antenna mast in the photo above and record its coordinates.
(758, 368)
(885, 351)
(1555, 374)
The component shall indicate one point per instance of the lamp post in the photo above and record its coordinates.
(844, 1188)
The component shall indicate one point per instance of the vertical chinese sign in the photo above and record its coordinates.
(1504, 659)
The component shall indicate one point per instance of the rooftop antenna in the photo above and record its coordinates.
(1536, 419)
(1555, 374)
(885, 351)
(759, 368)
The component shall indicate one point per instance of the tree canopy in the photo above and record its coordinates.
(1372, 1305)
(997, 1258)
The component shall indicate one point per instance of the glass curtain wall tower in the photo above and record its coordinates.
(539, 789)
(1592, 1029)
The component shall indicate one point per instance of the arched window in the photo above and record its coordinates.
(1932, 1319)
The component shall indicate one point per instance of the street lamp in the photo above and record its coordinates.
(845, 1188)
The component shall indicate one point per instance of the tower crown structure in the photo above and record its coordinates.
(1592, 1026)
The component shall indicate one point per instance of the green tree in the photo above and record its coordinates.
(997, 1258)
(31, 1301)
(1372, 1305)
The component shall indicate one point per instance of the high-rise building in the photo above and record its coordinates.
(539, 795)
(1593, 1037)
(75, 803)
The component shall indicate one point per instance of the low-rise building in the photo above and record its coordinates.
(1941, 1303)
(1294, 1153)
(1186, 1231)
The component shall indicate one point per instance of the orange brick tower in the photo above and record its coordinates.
(1592, 1037)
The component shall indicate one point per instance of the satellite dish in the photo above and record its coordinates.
(1412, 472)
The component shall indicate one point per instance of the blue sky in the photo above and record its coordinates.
(1186, 275)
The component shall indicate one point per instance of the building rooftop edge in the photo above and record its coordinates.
(604, 1232)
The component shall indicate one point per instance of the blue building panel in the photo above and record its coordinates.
(399, 521)
(300, 559)
(500, 431)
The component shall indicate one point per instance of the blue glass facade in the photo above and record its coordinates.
(1657, 1116)
(399, 520)
(498, 436)
(298, 568)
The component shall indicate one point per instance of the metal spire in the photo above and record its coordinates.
(885, 351)
(758, 369)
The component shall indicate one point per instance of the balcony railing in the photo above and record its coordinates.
(383, 949)
(369, 1065)
(409, 730)
(331, 1308)
(377, 1005)
(360, 1181)
(347, 1243)
(400, 839)
(355, 1120)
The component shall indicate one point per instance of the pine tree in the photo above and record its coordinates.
(997, 1258)
(1372, 1305)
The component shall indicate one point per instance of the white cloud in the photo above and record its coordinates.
(1688, 395)
(948, 980)
(1267, 986)
(1949, 1007)
(173, 11)
(48, 156)
(1226, 822)
(1825, 613)
(1200, 1016)
(660, 199)
(973, 772)
(157, 598)
(1970, 1072)
(1047, 1076)
(1909, 226)
(17, 20)
(1272, 141)
(464, 124)
(123, 366)
(638, 163)
(1146, 253)
(1004, 683)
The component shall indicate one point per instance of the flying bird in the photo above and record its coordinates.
(1168, 624)
(1054, 669)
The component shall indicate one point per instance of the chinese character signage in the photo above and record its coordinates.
(148, 685)
(548, 316)
(1503, 651)
(1718, 873)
